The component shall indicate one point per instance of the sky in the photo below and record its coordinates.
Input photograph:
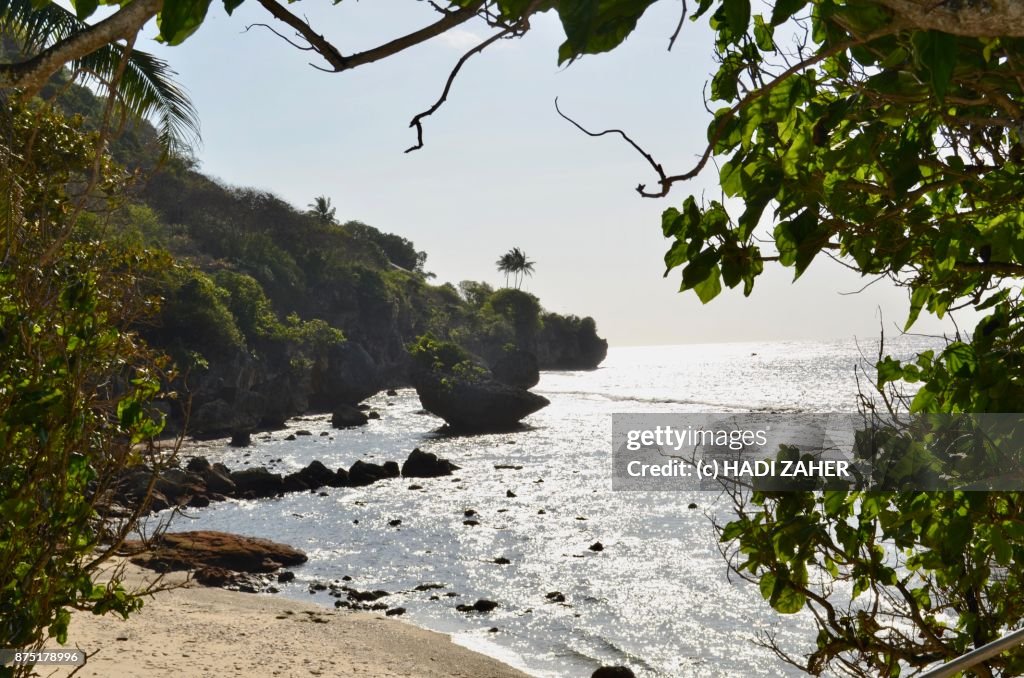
(500, 168)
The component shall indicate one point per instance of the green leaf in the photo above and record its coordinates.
(595, 26)
(764, 34)
(936, 53)
(737, 15)
(180, 19)
(784, 9)
(918, 299)
(232, 5)
(711, 286)
(85, 8)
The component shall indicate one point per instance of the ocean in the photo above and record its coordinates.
(658, 598)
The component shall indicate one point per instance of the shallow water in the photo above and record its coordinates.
(658, 597)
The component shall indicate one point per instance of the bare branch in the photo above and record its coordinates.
(666, 182)
(679, 27)
(647, 156)
(307, 48)
(417, 121)
(340, 62)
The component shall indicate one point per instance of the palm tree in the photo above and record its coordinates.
(505, 265)
(143, 88)
(322, 210)
(515, 262)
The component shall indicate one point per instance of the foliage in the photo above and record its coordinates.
(75, 381)
(322, 210)
(444, 358)
(144, 87)
(398, 250)
(521, 309)
(195, 316)
(893, 149)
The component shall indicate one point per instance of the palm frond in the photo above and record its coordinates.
(146, 88)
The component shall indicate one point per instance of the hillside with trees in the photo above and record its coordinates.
(271, 311)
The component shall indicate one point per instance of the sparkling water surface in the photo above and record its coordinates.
(657, 598)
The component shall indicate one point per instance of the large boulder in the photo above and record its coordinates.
(426, 465)
(516, 368)
(317, 475)
(476, 405)
(192, 550)
(345, 416)
(365, 473)
(255, 483)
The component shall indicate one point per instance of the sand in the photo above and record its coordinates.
(205, 632)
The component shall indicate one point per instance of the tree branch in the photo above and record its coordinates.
(32, 74)
(340, 62)
(989, 19)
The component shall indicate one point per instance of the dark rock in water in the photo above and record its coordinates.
(391, 392)
(692, 506)
(324, 434)
(596, 546)
(198, 465)
(303, 432)
(365, 596)
(426, 465)
(285, 577)
(481, 605)
(476, 403)
(395, 523)
(391, 468)
(218, 480)
(493, 629)
(510, 494)
(346, 416)
(501, 560)
(516, 368)
(241, 438)
(293, 482)
(556, 597)
(471, 523)
(257, 482)
(415, 487)
(469, 513)
(199, 501)
(373, 414)
(290, 436)
(613, 672)
(395, 611)
(192, 550)
(342, 477)
(428, 587)
(364, 473)
(363, 407)
(317, 475)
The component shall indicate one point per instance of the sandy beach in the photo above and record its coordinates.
(199, 632)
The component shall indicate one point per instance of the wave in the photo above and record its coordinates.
(660, 400)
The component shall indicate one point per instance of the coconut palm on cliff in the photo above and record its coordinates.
(515, 262)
